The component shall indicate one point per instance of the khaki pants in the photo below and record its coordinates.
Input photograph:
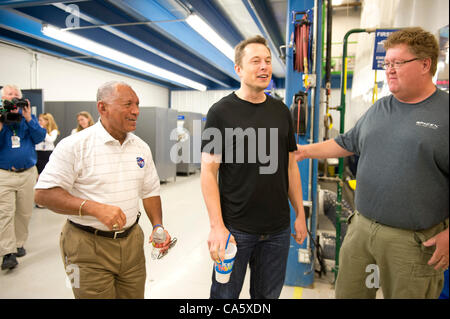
(100, 267)
(375, 255)
(16, 207)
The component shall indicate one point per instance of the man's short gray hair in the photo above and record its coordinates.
(108, 88)
(11, 86)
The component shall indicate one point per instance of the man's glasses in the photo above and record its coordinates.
(396, 65)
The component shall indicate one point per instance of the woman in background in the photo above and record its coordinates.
(45, 148)
(84, 121)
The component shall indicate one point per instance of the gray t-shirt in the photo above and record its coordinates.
(402, 175)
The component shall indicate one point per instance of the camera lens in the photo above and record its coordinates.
(19, 102)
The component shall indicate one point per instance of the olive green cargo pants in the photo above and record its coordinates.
(376, 256)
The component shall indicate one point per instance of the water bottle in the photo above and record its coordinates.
(159, 237)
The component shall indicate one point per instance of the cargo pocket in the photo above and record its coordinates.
(421, 268)
(349, 218)
(350, 226)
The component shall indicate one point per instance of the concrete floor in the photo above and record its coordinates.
(185, 273)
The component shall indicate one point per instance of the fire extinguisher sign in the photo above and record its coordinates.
(379, 52)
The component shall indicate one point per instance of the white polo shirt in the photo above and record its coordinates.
(49, 143)
(93, 165)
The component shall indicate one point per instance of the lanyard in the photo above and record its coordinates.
(14, 128)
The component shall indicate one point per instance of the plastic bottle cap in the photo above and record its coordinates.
(160, 235)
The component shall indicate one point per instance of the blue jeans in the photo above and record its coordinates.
(267, 256)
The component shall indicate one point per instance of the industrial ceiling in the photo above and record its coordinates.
(151, 40)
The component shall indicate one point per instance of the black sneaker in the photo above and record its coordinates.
(20, 252)
(9, 261)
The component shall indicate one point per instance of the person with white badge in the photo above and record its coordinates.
(19, 133)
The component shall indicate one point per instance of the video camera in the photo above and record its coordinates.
(6, 114)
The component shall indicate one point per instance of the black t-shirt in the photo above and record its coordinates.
(255, 141)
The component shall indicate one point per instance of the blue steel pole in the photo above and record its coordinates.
(317, 116)
(301, 273)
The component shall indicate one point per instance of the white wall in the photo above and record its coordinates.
(15, 66)
(344, 20)
(196, 101)
(63, 80)
(200, 102)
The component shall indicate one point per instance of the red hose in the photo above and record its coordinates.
(301, 40)
(305, 47)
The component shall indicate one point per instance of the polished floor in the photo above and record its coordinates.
(185, 273)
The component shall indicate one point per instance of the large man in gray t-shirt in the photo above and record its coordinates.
(400, 230)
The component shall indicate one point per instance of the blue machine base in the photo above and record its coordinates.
(445, 291)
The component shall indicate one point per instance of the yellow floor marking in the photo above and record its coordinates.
(298, 292)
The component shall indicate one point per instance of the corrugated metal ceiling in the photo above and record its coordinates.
(152, 31)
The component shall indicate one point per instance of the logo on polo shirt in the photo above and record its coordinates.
(140, 162)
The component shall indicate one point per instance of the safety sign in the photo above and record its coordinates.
(379, 51)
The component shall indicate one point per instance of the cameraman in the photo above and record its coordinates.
(18, 175)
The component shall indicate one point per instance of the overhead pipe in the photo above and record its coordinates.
(125, 24)
(347, 5)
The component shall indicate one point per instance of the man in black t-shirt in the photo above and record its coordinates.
(249, 140)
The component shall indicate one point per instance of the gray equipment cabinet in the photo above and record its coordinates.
(191, 166)
(65, 114)
(154, 126)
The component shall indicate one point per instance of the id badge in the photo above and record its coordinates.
(15, 141)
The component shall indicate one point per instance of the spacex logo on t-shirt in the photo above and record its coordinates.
(429, 125)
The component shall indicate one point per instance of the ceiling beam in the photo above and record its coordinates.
(29, 3)
(23, 27)
(214, 16)
(267, 18)
(265, 33)
(148, 39)
(178, 32)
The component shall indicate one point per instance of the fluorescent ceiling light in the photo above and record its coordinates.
(107, 52)
(336, 2)
(199, 25)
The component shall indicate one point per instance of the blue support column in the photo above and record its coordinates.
(302, 273)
